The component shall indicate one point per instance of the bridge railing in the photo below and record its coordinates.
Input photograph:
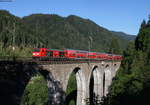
(49, 59)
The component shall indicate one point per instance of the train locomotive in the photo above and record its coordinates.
(44, 53)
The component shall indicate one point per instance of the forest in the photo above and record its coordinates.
(131, 86)
(53, 31)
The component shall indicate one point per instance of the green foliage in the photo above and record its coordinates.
(131, 86)
(114, 47)
(71, 92)
(19, 52)
(71, 84)
(72, 102)
(36, 92)
(53, 31)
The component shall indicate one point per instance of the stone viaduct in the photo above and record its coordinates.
(57, 76)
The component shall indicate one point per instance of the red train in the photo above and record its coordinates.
(72, 54)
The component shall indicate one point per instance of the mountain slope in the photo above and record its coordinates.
(53, 31)
(59, 31)
(124, 35)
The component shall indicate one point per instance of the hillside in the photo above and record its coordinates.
(124, 35)
(53, 31)
(131, 86)
(59, 31)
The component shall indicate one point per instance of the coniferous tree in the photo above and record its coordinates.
(131, 86)
(148, 23)
(143, 25)
(114, 47)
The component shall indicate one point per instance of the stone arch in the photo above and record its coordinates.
(39, 84)
(95, 88)
(81, 86)
(107, 79)
(14, 78)
(56, 95)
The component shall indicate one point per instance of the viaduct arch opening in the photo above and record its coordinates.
(79, 92)
(103, 83)
(36, 91)
(95, 86)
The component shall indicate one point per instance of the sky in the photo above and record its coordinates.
(116, 15)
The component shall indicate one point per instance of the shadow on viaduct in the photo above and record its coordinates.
(14, 76)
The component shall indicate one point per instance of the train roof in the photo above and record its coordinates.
(49, 49)
(76, 50)
(55, 49)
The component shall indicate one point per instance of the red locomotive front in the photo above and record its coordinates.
(39, 52)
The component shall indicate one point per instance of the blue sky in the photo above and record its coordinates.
(117, 15)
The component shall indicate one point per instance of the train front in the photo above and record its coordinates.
(38, 53)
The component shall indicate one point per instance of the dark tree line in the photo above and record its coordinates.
(131, 86)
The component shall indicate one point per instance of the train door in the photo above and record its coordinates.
(56, 54)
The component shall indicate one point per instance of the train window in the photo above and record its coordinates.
(65, 52)
(61, 54)
(49, 53)
(42, 50)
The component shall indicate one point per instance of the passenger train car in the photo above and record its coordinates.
(39, 53)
